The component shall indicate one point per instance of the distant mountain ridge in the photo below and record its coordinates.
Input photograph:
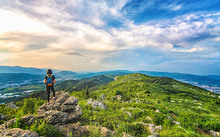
(207, 81)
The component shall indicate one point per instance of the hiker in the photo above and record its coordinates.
(49, 81)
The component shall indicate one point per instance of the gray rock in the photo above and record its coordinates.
(62, 110)
(152, 129)
(119, 97)
(159, 128)
(12, 105)
(149, 118)
(2, 116)
(126, 135)
(96, 103)
(54, 117)
(71, 101)
(102, 97)
(17, 132)
(214, 134)
(154, 135)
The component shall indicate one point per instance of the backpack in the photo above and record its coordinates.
(49, 80)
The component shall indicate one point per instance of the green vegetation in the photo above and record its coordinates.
(78, 85)
(41, 127)
(26, 106)
(132, 100)
(195, 108)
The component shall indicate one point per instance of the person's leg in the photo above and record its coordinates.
(48, 93)
(52, 88)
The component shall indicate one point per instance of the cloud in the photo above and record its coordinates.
(74, 54)
(106, 33)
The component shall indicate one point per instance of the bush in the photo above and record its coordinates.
(166, 98)
(158, 118)
(44, 129)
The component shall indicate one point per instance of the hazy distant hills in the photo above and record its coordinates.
(10, 78)
(38, 74)
(18, 69)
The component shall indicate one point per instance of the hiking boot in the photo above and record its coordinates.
(54, 98)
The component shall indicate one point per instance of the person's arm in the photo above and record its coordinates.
(54, 81)
(45, 81)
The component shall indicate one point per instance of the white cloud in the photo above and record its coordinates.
(15, 22)
(80, 27)
(175, 7)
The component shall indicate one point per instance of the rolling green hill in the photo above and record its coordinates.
(78, 85)
(144, 99)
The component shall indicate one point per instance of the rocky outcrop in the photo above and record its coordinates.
(154, 135)
(17, 132)
(126, 135)
(62, 112)
(96, 103)
(102, 97)
(63, 109)
(12, 105)
(117, 97)
(26, 120)
(169, 117)
(152, 128)
(214, 134)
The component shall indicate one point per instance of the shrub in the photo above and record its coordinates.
(166, 98)
(44, 129)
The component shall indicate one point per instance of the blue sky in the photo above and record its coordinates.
(79, 35)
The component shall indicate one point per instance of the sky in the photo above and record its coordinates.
(96, 35)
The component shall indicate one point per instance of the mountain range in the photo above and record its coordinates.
(210, 82)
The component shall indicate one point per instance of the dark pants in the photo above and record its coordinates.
(48, 92)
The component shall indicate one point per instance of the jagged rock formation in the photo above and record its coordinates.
(64, 109)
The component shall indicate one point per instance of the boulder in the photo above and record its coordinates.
(71, 101)
(12, 105)
(17, 132)
(54, 117)
(102, 97)
(96, 103)
(152, 128)
(126, 135)
(119, 97)
(154, 135)
(214, 134)
(2, 116)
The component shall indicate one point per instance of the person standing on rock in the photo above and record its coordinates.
(49, 81)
